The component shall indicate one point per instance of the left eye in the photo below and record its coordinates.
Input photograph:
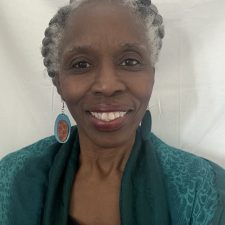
(130, 62)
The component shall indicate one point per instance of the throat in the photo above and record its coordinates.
(104, 164)
(95, 160)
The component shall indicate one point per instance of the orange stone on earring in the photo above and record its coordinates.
(62, 130)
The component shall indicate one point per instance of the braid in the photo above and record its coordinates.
(54, 33)
(51, 41)
(154, 24)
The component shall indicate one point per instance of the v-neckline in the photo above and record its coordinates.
(72, 221)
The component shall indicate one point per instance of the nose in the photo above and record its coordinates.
(108, 81)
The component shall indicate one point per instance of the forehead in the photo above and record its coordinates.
(101, 24)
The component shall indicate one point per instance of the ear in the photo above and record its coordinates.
(56, 82)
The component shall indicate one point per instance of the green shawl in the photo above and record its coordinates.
(143, 199)
(160, 185)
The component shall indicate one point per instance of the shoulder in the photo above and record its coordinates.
(192, 184)
(177, 161)
(26, 160)
(17, 159)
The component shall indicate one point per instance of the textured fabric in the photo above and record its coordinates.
(142, 201)
(61, 177)
(195, 187)
(219, 218)
(190, 184)
(143, 197)
(14, 164)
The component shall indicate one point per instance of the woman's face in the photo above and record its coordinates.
(105, 77)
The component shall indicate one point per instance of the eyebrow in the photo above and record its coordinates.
(137, 46)
(78, 48)
(87, 48)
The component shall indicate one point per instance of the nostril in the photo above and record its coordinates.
(108, 93)
(108, 87)
(107, 80)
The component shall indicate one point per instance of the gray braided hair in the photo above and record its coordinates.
(54, 33)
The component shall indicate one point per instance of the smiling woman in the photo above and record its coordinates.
(109, 73)
(107, 169)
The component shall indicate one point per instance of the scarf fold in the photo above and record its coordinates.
(143, 199)
(61, 177)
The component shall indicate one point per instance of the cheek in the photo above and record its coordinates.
(142, 88)
(73, 89)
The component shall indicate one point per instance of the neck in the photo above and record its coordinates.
(103, 162)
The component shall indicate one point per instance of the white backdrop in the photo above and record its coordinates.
(188, 103)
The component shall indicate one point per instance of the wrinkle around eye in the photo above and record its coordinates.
(77, 61)
(78, 65)
(133, 64)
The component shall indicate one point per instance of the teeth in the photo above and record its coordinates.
(109, 116)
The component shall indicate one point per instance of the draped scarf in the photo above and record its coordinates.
(143, 196)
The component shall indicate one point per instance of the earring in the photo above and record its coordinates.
(62, 127)
(146, 125)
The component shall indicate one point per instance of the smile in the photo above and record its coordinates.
(108, 116)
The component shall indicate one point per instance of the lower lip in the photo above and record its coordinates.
(108, 126)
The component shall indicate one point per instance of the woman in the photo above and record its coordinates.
(107, 170)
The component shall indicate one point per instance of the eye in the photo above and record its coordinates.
(130, 62)
(81, 65)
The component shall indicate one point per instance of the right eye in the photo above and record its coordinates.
(81, 65)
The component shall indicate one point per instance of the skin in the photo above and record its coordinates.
(104, 66)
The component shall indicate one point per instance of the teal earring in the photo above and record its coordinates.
(62, 127)
(146, 125)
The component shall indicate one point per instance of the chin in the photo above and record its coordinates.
(114, 139)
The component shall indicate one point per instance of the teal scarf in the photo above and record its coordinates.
(142, 200)
(143, 197)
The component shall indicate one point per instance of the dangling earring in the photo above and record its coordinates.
(62, 127)
(146, 125)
